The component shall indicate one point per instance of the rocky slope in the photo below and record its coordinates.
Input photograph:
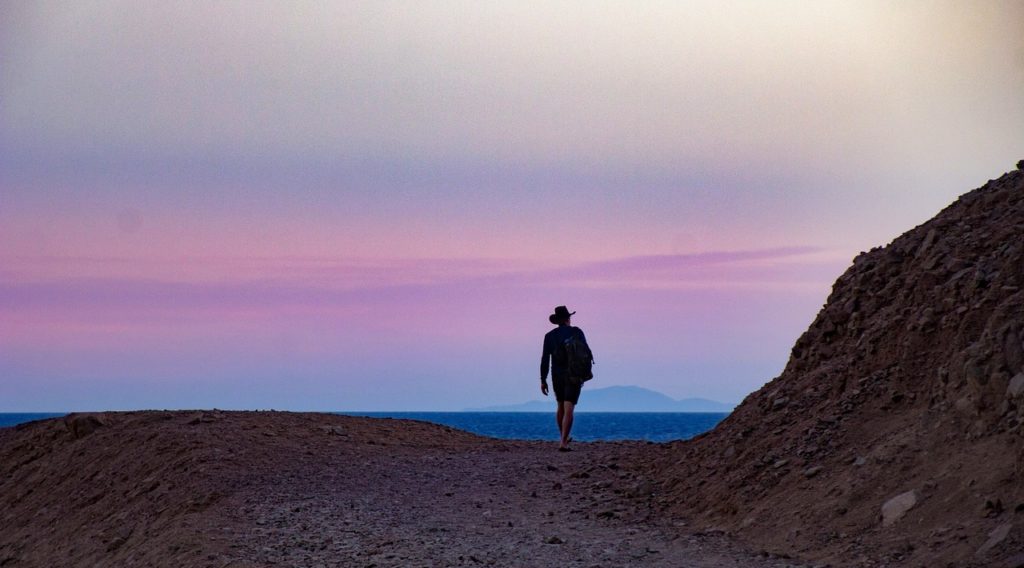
(895, 433)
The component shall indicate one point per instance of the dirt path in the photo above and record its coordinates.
(501, 504)
(213, 489)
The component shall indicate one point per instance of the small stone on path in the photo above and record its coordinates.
(894, 509)
(553, 540)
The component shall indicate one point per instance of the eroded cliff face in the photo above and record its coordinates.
(909, 383)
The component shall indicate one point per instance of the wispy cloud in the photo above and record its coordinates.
(324, 282)
(412, 301)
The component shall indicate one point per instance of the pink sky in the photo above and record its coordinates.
(376, 206)
(416, 328)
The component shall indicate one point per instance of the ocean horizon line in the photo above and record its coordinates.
(520, 425)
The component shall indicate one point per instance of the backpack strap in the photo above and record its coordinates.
(579, 335)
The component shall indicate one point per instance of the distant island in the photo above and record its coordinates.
(619, 399)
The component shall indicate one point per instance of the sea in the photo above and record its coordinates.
(15, 418)
(587, 426)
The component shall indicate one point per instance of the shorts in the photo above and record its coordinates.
(565, 391)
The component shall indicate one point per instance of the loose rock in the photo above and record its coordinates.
(813, 471)
(1016, 387)
(995, 538)
(895, 508)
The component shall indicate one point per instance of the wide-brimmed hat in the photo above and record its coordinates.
(561, 314)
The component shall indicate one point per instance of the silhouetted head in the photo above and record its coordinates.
(561, 316)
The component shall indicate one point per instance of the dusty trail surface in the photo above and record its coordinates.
(487, 503)
(247, 489)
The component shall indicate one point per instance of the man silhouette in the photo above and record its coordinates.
(566, 392)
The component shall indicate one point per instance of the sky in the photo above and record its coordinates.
(375, 206)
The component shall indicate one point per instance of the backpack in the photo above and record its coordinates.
(580, 359)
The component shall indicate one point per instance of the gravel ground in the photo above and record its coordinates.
(493, 503)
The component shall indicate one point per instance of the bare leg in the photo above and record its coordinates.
(558, 418)
(565, 422)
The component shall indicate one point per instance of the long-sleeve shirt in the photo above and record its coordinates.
(552, 352)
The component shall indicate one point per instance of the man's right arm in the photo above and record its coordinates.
(545, 357)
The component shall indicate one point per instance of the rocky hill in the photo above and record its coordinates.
(895, 434)
(163, 488)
